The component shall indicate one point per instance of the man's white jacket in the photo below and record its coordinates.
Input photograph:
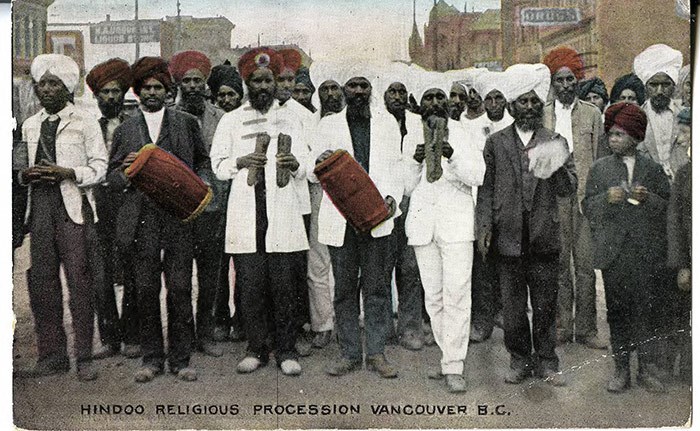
(79, 146)
(385, 167)
(236, 137)
(446, 206)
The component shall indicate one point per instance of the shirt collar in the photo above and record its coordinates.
(63, 114)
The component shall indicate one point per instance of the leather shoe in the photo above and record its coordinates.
(105, 351)
(187, 374)
(593, 342)
(46, 367)
(517, 375)
(455, 383)
(411, 341)
(321, 339)
(132, 351)
(554, 378)
(650, 383)
(87, 371)
(620, 381)
(342, 367)
(379, 364)
(145, 374)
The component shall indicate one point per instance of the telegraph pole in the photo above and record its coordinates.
(179, 28)
(137, 37)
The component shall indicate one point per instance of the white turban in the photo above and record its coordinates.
(519, 79)
(60, 65)
(658, 58)
(468, 77)
(487, 82)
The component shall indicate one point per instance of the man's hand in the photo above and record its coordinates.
(639, 193)
(252, 160)
(419, 154)
(326, 154)
(616, 195)
(484, 243)
(391, 203)
(30, 175)
(52, 173)
(128, 160)
(287, 161)
(447, 150)
(683, 279)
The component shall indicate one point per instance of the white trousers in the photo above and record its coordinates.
(319, 276)
(445, 270)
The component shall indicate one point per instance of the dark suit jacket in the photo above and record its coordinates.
(500, 205)
(179, 134)
(679, 219)
(630, 230)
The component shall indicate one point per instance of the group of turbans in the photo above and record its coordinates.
(499, 210)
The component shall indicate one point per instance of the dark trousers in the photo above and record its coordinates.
(486, 295)
(408, 284)
(57, 240)
(632, 308)
(269, 291)
(536, 274)
(159, 231)
(365, 257)
(112, 328)
(212, 270)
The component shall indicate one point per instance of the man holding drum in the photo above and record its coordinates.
(143, 223)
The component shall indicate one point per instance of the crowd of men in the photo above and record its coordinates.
(542, 176)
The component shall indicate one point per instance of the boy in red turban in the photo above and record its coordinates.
(626, 199)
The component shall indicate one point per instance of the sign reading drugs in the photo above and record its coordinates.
(112, 32)
(550, 16)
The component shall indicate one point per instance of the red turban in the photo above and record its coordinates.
(628, 117)
(184, 61)
(291, 59)
(150, 67)
(114, 69)
(257, 58)
(564, 57)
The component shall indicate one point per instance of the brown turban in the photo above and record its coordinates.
(188, 60)
(291, 59)
(114, 69)
(258, 58)
(150, 67)
(628, 117)
(564, 57)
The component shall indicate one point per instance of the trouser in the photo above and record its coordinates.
(445, 269)
(222, 309)
(577, 296)
(269, 291)
(408, 279)
(159, 231)
(667, 317)
(212, 270)
(57, 240)
(486, 295)
(107, 206)
(364, 256)
(538, 275)
(319, 278)
(629, 285)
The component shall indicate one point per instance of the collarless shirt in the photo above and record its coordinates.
(629, 162)
(563, 122)
(154, 120)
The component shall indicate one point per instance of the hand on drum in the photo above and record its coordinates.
(128, 160)
(326, 154)
(252, 160)
(391, 203)
(447, 150)
(287, 161)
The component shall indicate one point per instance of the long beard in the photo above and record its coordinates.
(261, 101)
(528, 124)
(333, 105)
(567, 97)
(660, 102)
(455, 112)
(436, 111)
(110, 110)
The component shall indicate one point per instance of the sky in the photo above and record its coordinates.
(374, 29)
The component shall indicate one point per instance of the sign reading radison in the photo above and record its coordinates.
(110, 32)
(550, 16)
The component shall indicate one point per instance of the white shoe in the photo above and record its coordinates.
(248, 365)
(290, 367)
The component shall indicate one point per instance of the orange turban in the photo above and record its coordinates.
(564, 57)
(258, 58)
(114, 69)
(188, 60)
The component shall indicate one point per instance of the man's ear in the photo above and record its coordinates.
(509, 106)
